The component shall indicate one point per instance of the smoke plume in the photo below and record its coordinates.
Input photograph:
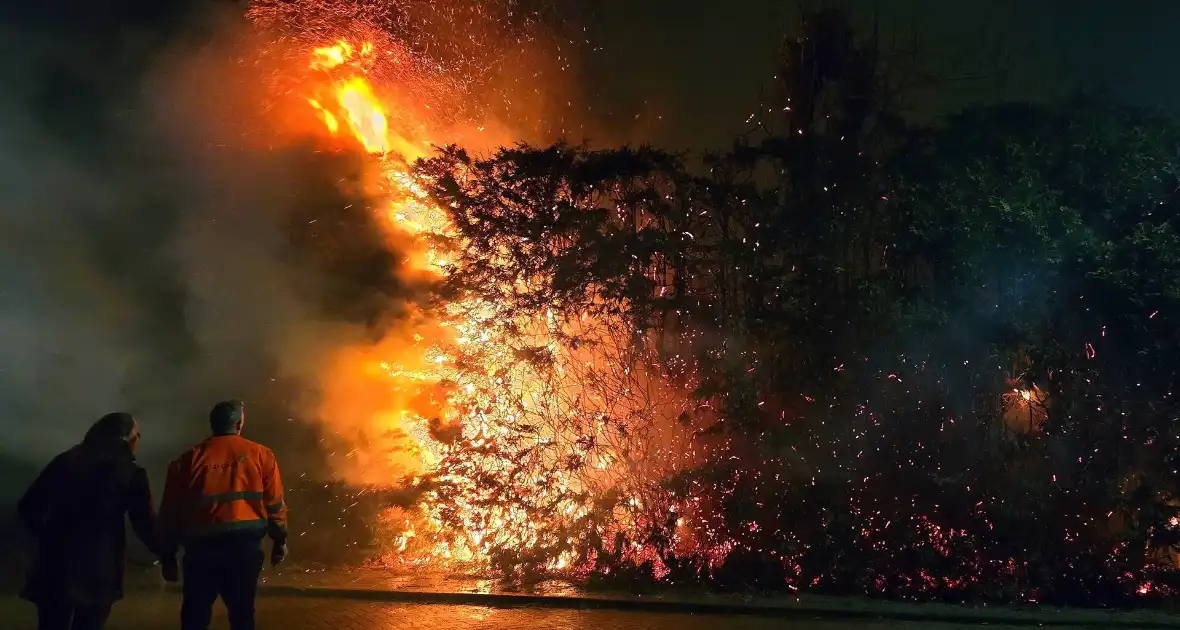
(160, 251)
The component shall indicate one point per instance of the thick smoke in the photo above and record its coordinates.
(159, 252)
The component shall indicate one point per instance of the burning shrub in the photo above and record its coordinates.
(630, 371)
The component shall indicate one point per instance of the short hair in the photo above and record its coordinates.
(226, 416)
(111, 428)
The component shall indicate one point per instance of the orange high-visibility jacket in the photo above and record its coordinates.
(224, 484)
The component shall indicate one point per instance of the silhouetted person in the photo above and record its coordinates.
(222, 497)
(76, 511)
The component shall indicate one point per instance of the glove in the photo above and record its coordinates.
(278, 553)
(170, 569)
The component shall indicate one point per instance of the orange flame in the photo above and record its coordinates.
(354, 97)
(474, 350)
(365, 115)
(329, 119)
(329, 57)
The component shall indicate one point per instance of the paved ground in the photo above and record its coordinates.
(158, 612)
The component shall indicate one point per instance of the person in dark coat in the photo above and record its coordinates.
(76, 512)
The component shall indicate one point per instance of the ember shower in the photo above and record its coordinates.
(589, 377)
(517, 436)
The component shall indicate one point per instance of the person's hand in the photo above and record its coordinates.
(278, 553)
(170, 569)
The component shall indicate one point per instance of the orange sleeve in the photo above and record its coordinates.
(276, 505)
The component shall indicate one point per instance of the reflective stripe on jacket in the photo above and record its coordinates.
(224, 484)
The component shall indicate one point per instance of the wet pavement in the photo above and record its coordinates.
(424, 587)
(159, 611)
(366, 599)
(361, 599)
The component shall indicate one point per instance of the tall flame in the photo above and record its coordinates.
(462, 393)
(365, 115)
(352, 98)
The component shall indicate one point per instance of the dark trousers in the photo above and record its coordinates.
(64, 616)
(228, 569)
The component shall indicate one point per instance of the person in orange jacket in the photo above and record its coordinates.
(221, 498)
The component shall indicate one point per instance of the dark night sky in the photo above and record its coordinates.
(693, 75)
